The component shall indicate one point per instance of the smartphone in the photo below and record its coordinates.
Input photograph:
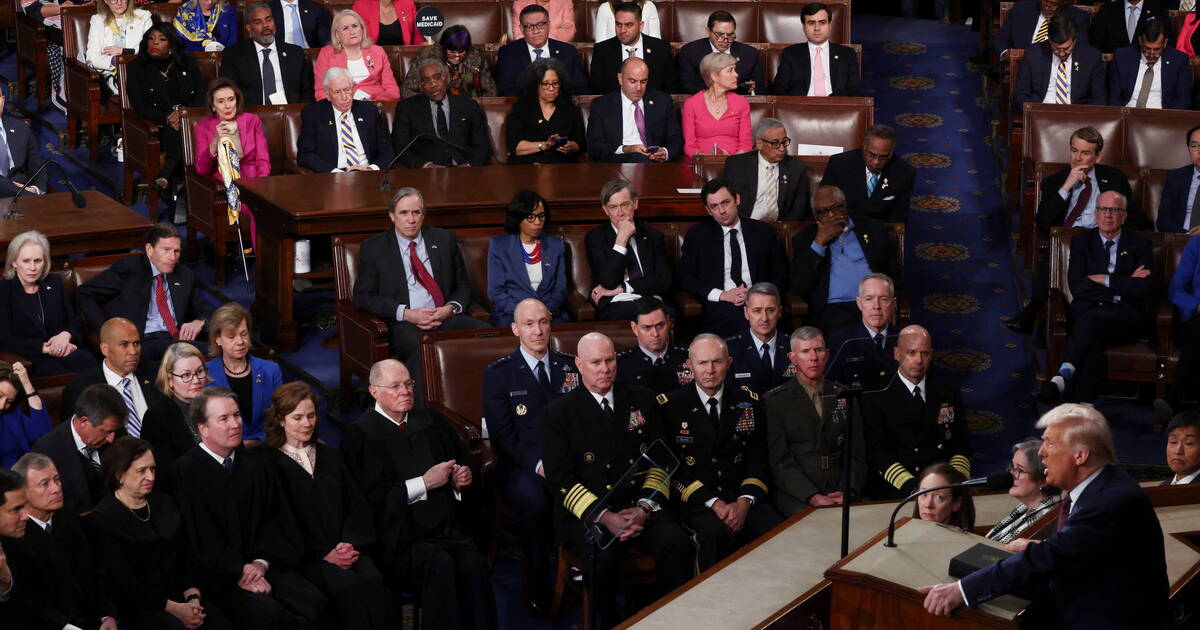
(653, 149)
(558, 142)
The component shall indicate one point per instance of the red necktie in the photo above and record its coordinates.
(1080, 204)
(423, 276)
(1063, 513)
(164, 311)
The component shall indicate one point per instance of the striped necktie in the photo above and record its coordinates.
(1062, 91)
(1043, 32)
(346, 134)
(133, 423)
(771, 194)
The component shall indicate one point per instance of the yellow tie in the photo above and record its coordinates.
(1043, 32)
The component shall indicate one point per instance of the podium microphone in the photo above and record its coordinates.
(386, 184)
(995, 481)
(76, 197)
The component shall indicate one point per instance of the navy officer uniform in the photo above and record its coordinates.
(862, 359)
(722, 447)
(750, 369)
(514, 404)
(662, 375)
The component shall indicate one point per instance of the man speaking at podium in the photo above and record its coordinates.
(1104, 566)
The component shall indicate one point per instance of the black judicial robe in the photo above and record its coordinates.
(58, 576)
(17, 610)
(328, 506)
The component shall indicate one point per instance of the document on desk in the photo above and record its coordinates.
(688, 191)
(817, 149)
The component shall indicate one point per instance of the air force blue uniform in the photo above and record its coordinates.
(748, 368)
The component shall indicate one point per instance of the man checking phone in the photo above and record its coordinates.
(636, 123)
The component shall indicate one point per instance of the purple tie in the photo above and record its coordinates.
(639, 121)
(1063, 513)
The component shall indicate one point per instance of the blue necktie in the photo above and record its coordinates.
(537, 52)
(297, 26)
(227, 463)
(133, 424)
(871, 183)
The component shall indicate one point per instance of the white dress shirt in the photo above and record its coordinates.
(628, 295)
(727, 282)
(1184, 480)
(638, 50)
(1050, 87)
(1154, 99)
(545, 52)
(812, 56)
(280, 97)
(770, 345)
(342, 162)
(766, 172)
(289, 23)
(910, 385)
(93, 454)
(135, 388)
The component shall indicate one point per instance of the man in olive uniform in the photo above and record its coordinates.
(807, 430)
(654, 363)
(760, 354)
(516, 390)
(591, 436)
(917, 421)
(719, 433)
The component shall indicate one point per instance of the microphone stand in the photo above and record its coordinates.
(386, 183)
(849, 394)
(891, 539)
(12, 205)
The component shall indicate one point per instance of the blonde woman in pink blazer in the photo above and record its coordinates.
(350, 48)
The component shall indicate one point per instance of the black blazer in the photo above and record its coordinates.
(810, 272)
(1052, 209)
(467, 127)
(1018, 30)
(149, 93)
(314, 21)
(95, 376)
(608, 267)
(702, 266)
(318, 145)
(166, 428)
(741, 173)
(513, 57)
(748, 68)
(1175, 77)
(24, 332)
(240, 62)
(382, 285)
(1108, 27)
(124, 290)
(1172, 209)
(61, 573)
(1088, 257)
(795, 71)
(81, 484)
(604, 129)
(25, 156)
(1087, 76)
(889, 202)
(608, 55)
(1109, 553)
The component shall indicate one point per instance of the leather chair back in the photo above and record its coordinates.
(209, 64)
(474, 245)
(1048, 130)
(398, 57)
(387, 109)
(565, 338)
(689, 19)
(164, 12)
(585, 19)
(75, 30)
(485, 20)
(1154, 138)
(1152, 181)
(584, 49)
(832, 121)
(345, 264)
(781, 22)
(579, 277)
(495, 109)
(585, 108)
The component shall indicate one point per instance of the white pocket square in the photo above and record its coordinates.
(889, 198)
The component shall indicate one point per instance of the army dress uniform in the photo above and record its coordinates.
(749, 369)
(905, 434)
(804, 444)
(514, 404)
(587, 450)
(635, 367)
(725, 460)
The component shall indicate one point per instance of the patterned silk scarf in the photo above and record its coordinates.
(229, 165)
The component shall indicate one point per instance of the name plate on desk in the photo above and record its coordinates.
(975, 558)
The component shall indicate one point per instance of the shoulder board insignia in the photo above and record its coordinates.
(753, 396)
(625, 352)
(498, 361)
(662, 399)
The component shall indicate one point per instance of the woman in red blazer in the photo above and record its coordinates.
(390, 22)
(350, 48)
(229, 124)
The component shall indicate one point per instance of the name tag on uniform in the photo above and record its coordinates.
(742, 375)
(889, 198)
(518, 393)
(684, 439)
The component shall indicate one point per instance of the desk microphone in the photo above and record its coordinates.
(994, 481)
(386, 184)
(76, 197)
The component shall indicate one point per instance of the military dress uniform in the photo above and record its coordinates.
(906, 434)
(635, 367)
(805, 443)
(587, 450)
(857, 360)
(514, 404)
(725, 459)
(750, 369)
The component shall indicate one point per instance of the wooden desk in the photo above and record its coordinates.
(103, 225)
(289, 207)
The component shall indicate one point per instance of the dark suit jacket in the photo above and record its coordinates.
(1173, 208)
(702, 265)
(382, 285)
(81, 484)
(690, 55)
(1174, 69)
(24, 332)
(513, 57)
(1088, 257)
(604, 130)
(889, 202)
(467, 128)
(314, 20)
(1087, 76)
(1110, 553)
(318, 145)
(608, 267)
(810, 271)
(124, 290)
(150, 94)
(795, 71)
(608, 55)
(240, 62)
(514, 404)
(26, 158)
(1017, 31)
(96, 376)
(741, 173)
(62, 574)
(1108, 27)
(1053, 209)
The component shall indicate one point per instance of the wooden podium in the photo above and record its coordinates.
(875, 587)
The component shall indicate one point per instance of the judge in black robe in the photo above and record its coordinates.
(236, 521)
(58, 575)
(414, 472)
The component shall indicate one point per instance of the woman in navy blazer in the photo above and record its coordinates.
(251, 378)
(35, 320)
(525, 262)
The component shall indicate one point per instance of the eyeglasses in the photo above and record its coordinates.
(782, 142)
(188, 377)
(1195, 146)
(536, 217)
(341, 92)
(834, 209)
(540, 26)
(624, 205)
(725, 37)
(551, 85)
(725, 203)
(1109, 210)
(408, 385)
(437, 78)
(1016, 472)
